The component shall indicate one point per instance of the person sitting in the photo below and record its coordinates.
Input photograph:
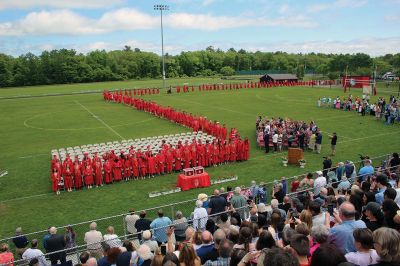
(364, 244)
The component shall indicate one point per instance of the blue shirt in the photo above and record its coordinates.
(342, 235)
(160, 234)
(318, 139)
(365, 171)
(379, 196)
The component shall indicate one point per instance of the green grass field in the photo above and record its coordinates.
(31, 127)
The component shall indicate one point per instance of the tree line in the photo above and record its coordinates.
(67, 66)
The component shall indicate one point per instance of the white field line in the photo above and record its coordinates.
(100, 120)
(368, 137)
(339, 135)
(27, 197)
(34, 155)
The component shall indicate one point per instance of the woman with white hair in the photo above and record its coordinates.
(200, 217)
(111, 238)
(145, 256)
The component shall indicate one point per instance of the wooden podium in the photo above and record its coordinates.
(294, 155)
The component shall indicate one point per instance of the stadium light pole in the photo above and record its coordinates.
(161, 8)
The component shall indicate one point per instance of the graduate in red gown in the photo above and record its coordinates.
(246, 148)
(55, 161)
(151, 163)
(227, 151)
(239, 150)
(233, 148)
(117, 174)
(169, 160)
(67, 162)
(77, 174)
(177, 158)
(67, 174)
(201, 154)
(98, 172)
(221, 152)
(186, 157)
(55, 179)
(193, 153)
(88, 173)
(215, 156)
(208, 154)
(127, 168)
(135, 166)
(142, 160)
(160, 161)
(107, 166)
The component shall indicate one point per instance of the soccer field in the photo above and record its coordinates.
(31, 127)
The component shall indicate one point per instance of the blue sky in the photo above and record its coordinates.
(337, 26)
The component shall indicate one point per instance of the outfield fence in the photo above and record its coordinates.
(186, 207)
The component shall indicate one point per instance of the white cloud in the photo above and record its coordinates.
(66, 22)
(337, 5)
(393, 18)
(26, 4)
(371, 46)
(211, 23)
(283, 9)
(70, 23)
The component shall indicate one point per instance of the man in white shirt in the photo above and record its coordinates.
(34, 252)
(200, 216)
(319, 182)
(93, 240)
(130, 221)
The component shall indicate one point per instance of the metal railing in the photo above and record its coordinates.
(186, 207)
(73, 253)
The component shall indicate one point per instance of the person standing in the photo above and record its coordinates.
(142, 224)
(160, 227)
(217, 204)
(318, 142)
(266, 137)
(333, 143)
(70, 237)
(130, 221)
(56, 243)
(20, 241)
(200, 216)
(239, 202)
(327, 165)
(93, 240)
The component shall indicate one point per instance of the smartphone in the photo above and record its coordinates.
(163, 249)
(330, 209)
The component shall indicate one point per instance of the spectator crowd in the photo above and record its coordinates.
(334, 218)
(383, 109)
